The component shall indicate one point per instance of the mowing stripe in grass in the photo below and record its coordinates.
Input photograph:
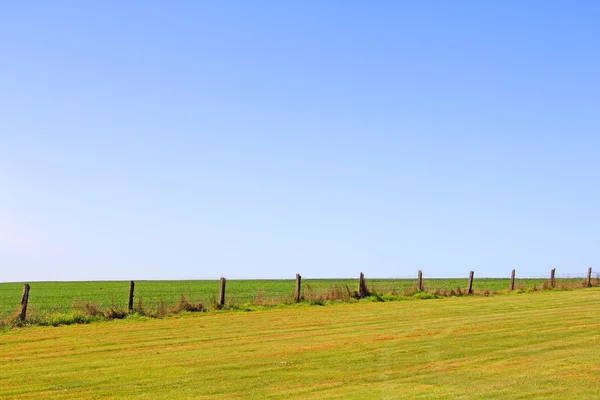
(544, 344)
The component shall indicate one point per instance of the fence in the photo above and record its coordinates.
(115, 299)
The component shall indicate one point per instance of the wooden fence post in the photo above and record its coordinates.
(24, 300)
(222, 293)
(130, 302)
(552, 277)
(420, 281)
(470, 288)
(589, 277)
(298, 292)
(362, 287)
(512, 280)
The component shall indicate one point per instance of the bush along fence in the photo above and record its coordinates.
(65, 302)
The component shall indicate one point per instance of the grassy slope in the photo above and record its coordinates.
(544, 344)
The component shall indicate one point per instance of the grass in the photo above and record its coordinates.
(537, 345)
(49, 300)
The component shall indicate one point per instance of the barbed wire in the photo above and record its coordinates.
(55, 298)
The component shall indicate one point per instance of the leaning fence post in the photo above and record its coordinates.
(298, 283)
(470, 288)
(130, 302)
(589, 277)
(512, 280)
(420, 281)
(552, 277)
(362, 287)
(222, 293)
(24, 300)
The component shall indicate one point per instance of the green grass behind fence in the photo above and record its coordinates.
(47, 298)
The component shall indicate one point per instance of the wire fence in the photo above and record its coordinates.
(162, 297)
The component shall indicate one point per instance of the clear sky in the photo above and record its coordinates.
(260, 139)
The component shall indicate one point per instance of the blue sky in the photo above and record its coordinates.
(157, 140)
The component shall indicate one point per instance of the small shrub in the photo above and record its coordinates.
(67, 319)
(373, 297)
(161, 309)
(335, 293)
(307, 291)
(92, 310)
(115, 313)
(425, 296)
(565, 286)
(259, 297)
(392, 297)
(348, 292)
(185, 305)
(214, 304)
(139, 307)
(338, 292)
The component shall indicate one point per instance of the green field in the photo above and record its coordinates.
(532, 345)
(47, 298)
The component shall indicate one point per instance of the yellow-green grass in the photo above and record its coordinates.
(48, 298)
(533, 345)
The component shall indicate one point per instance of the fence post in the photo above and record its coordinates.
(420, 281)
(298, 283)
(222, 293)
(130, 302)
(362, 287)
(24, 300)
(512, 280)
(470, 288)
(589, 277)
(552, 277)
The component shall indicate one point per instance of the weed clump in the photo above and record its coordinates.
(335, 293)
(161, 309)
(258, 300)
(68, 319)
(83, 311)
(425, 296)
(185, 305)
(115, 313)
(92, 310)
(374, 297)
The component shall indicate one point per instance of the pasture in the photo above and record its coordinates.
(532, 345)
(51, 298)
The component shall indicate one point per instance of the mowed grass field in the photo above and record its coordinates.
(62, 297)
(532, 345)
